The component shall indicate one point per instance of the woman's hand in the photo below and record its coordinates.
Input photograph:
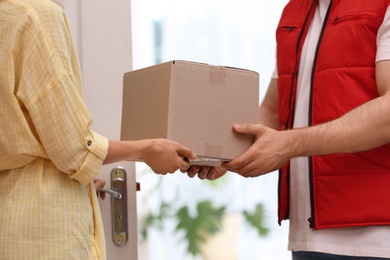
(165, 156)
(99, 183)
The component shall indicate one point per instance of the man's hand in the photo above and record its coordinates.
(204, 172)
(269, 152)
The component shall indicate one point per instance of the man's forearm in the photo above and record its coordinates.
(364, 128)
(268, 110)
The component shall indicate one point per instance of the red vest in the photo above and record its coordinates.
(346, 189)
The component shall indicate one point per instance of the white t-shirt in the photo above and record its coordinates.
(360, 241)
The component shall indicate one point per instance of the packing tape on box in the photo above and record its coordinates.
(217, 76)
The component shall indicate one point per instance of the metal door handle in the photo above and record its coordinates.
(116, 194)
(119, 214)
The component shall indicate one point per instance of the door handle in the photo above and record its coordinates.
(113, 193)
(119, 214)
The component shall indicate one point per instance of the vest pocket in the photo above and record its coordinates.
(364, 18)
(286, 28)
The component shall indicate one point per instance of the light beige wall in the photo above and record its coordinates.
(102, 32)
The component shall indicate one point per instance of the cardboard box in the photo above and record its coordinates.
(193, 103)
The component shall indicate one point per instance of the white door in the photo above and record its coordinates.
(102, 32)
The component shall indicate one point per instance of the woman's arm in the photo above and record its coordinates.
(162, 155)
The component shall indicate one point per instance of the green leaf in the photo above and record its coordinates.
(256, 220)
(207, 222)
(188, 224)
(210, 218)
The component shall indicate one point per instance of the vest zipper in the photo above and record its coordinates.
(310, 121)
(289, 125)
(290, 118)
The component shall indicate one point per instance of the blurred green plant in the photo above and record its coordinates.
(206, 222)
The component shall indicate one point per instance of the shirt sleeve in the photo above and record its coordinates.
(97, 151)
(50, 89)
(275, 72)
(383, 39)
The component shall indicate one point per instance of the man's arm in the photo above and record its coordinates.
(268, 110)
(363, 128)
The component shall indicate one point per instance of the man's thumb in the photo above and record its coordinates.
(248, 129)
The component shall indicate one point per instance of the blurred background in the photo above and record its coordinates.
(170, 209)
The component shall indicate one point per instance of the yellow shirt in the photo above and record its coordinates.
(48, 153)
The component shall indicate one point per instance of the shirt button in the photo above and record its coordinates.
(89, 143)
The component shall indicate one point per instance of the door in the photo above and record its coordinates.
(102, 33)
